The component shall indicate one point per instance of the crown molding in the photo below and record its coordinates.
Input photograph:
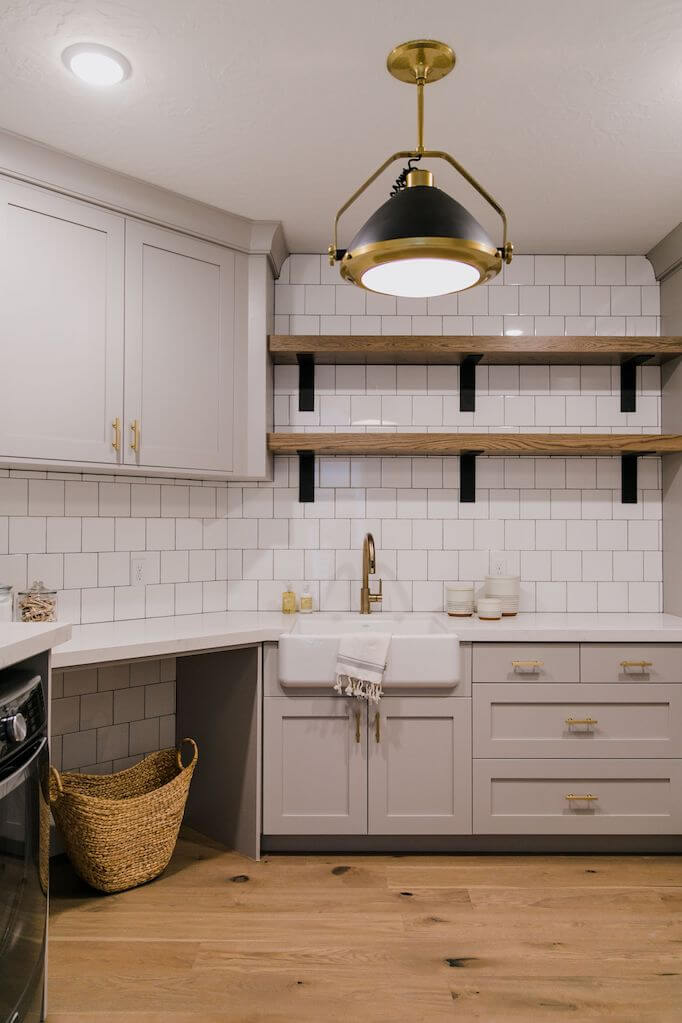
(666, 255)
(38, 164)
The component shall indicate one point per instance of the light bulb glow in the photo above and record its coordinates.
(420, 278)
(513, 333)
(96, 65)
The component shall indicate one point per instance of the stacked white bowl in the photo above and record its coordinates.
(460, 599)
(504, 588)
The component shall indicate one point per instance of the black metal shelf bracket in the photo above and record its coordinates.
(628, 478)
(467, 383)
(306, 383)
(628, 381)
(306, 477)
(467, 477)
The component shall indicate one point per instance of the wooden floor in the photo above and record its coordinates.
(364, 939)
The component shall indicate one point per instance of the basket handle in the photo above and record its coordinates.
(54, 773)
(195, 755)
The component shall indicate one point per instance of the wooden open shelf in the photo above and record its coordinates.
(567, 444)
(370, 348)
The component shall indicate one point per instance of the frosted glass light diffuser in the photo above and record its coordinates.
(420, 278)
(96, 64)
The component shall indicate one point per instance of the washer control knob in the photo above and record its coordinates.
(14, 728)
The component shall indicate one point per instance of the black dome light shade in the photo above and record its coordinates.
(421, 242)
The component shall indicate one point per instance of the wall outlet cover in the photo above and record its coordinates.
(141, 568)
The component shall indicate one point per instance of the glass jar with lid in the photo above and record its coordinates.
(37, 604)
(6, 592)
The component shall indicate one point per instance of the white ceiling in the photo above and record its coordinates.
(569, 112)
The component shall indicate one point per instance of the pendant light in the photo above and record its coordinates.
(421, 242)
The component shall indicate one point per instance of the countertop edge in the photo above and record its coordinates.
(18, 649)
(109, 642)
(164, 647)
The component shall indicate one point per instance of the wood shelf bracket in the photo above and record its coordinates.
(467, 383)
(306, 477)
(628, 382)
(306, 383)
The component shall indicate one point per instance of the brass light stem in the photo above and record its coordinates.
(420, 115)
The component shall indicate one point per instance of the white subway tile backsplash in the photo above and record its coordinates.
(559, 522)
(580, 269)
(610, 269)
(27, 535)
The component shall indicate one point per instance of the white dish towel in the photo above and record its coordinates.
(360, 664)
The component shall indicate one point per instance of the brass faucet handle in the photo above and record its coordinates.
(376, 597)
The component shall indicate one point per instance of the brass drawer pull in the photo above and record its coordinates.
(135, 430)
(377, 726)
(526, 667)
(357, 726)
(640, 665)
(116, 442)
(572, 797)
(581, 721)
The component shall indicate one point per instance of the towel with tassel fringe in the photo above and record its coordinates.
(360, 664)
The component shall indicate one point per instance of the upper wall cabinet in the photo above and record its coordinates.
(130, 346)
(180, 323)
(61, 327)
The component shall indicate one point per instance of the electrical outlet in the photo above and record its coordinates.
(499, 565)
(140, 569)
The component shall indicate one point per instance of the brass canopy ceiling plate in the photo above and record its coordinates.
(427, 59)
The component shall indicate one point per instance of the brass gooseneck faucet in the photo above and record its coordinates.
(368, 568)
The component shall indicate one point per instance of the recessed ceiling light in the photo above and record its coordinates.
(513, 333)
(96, 64)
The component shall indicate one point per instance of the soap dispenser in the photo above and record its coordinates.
(288, 601)
(306, 601)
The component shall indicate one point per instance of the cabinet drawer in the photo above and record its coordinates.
(631, 662)
(529, 797)
(526, 662)
(517, 720)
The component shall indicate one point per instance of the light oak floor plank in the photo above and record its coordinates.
(372, 939)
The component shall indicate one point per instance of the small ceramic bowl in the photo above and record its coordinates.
(489, 609)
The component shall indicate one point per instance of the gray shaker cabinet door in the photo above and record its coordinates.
(420, 766)
(314, 766)
(180, 351)
(61, 327)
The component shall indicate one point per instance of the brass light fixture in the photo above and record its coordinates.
(421, 242)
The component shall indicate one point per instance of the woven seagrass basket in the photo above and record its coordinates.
(120, 829)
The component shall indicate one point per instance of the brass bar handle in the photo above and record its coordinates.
(135, 430)
(374, 598)
(116, 442)
(357, 726)
(642, 665)
(581, 721)
(588, 797)
(526, 667)
(377, 726)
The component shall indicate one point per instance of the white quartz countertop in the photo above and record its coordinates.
(19, 640)
(184, 634)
